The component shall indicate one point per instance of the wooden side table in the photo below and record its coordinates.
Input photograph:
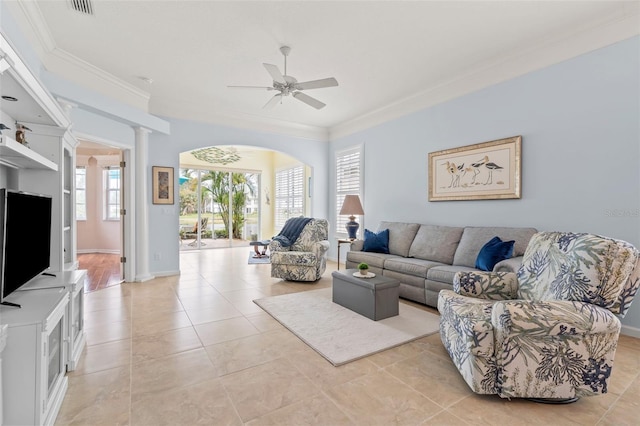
(342, 241)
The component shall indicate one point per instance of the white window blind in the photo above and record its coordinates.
(112, 193)
(348, 181)
(289, 195)
(81, 193)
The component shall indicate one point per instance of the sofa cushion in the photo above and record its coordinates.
(376, 260)
(437, 243)
(493, 252)
(473, 238)
(410, 266)
(445, 273)
(401, 236)
(376, 243)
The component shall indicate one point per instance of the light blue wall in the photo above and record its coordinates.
(185, 135)
(580, 152)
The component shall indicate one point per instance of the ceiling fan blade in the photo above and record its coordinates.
(273, 101)
(316, 84)
(308, 100)
(276, 75)
(252, 87)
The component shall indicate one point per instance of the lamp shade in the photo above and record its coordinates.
(352, 207)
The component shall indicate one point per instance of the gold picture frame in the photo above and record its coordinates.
(162, 185)
(484, 171)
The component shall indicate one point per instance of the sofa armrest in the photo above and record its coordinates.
(508, 265)
(486, 285)
(357, 245)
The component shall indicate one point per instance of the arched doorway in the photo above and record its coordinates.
(230, 195)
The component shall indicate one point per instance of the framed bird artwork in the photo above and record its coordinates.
(483, 171)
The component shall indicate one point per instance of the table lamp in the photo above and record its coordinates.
(352, 207)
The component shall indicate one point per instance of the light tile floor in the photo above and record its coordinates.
(195, 349)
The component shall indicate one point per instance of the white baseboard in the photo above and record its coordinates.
(105, 251)
(166, 273)
(627, 330)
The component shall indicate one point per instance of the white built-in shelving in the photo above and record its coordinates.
(15, 155)
(44, 338)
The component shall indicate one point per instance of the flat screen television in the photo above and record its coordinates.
(25, 236)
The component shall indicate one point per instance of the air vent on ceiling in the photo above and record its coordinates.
(82, 6)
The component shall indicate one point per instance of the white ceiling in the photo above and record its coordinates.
(384, 54)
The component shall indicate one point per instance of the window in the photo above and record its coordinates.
(289, 200)
(348, 181)
(81, 193)
(112, 193)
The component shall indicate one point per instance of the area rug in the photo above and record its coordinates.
(257, 260)
(341, 335)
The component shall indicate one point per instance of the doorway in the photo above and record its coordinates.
(99, 203)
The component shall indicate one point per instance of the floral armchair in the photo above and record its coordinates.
(306, 258)
(548, 332)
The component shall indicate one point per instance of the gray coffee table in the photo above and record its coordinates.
(375, 298)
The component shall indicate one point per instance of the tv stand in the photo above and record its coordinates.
(48, 274)
(15, 305)
(45, 341)
(33, 362)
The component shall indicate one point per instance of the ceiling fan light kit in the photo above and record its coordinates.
(288, 85)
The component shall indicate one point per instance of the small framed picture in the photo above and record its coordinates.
(162, 185)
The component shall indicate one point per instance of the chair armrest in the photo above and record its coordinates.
(508, 265)
(320, 248)
(486, 285)
(357, 245)
(275, 245)
(544, 319)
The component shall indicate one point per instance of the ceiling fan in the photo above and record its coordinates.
(288, 85)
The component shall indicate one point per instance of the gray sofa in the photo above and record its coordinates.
(424, 258)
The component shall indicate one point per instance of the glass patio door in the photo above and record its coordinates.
(245, 205)
(196, 210)
(218, 208)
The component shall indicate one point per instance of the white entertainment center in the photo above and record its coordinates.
(43, 339)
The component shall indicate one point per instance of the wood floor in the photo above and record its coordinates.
(103, 270)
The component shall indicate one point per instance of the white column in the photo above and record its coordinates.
(142, 203)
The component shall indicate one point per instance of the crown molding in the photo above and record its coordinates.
(607, 31)
(32, 14)
(189, 111)
(62, 62)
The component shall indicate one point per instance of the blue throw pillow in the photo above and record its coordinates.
(493, 252)
(376, 243)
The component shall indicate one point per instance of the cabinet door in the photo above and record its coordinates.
(54, 356)
(77, 323)
(53, 366)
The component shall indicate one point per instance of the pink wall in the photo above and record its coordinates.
(96, 234)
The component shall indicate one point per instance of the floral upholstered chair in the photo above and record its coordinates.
(306, 258)
(548, 332)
